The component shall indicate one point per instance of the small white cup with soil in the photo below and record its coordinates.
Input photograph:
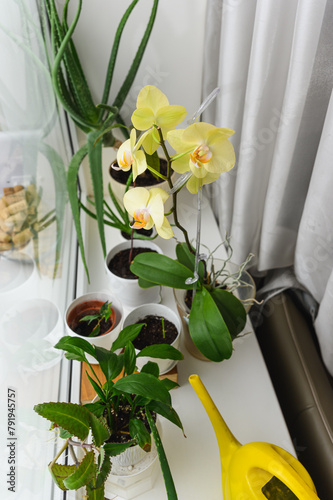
(162, 326)
(90, 304)
(123, 283)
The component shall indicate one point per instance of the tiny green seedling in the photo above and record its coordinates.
(104, 314)
(163, 327)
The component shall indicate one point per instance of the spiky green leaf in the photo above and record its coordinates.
(94, 493)
(169, 483)
(83, 474)
(72, 417)
(99, 430)
(104, 471)
(60, 472)
(72, 179)
(113, 449)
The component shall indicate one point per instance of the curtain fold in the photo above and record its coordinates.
(274, 66)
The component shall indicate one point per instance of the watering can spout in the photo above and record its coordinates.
(254, 470)
(226, 441)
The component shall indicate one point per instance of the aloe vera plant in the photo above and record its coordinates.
(96, 120)
(98, 422)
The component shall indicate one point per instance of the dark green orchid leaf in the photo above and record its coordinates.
(231, 309)
(145, 283)
(207, 328)
(161, 270)
(187, 258)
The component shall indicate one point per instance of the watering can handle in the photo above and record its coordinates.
(287, 469)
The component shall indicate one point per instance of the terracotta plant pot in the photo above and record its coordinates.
(139, 314)
(128, 290)
(91, 303)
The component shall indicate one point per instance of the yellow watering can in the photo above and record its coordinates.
(254, 470)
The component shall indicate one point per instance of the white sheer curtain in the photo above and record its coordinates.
(273, 60)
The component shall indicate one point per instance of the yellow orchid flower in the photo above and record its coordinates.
(130, 156)
(146, 206)
(207, 153)
(153, 108)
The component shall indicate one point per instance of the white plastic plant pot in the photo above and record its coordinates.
(134, 471)
(137, 316)
(106, 339)
(128, 290)
(30, 329)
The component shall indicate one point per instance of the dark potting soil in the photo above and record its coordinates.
(120, 263)
(152, 332)
(122, 422)
(144, 179)
(84, 329)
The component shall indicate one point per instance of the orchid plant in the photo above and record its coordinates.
(202, 153)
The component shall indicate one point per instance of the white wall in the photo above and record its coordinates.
(174, 56)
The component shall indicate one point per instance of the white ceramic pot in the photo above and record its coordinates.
(138, 314)
(128, 291)
(107, 339)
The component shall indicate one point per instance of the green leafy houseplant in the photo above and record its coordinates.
(101, 316)
(203, 153)
(97, 121)
(142, 392)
